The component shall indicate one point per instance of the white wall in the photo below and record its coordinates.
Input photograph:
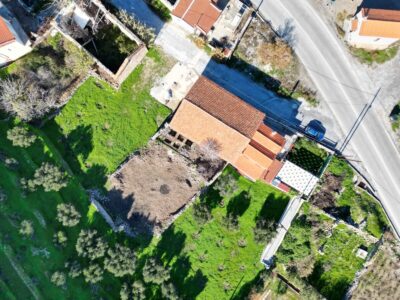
(367, 42)
(12, 51)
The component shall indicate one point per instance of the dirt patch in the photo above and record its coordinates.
(152, 187)
(326, 196)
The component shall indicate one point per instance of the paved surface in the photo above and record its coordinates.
(344, 90)
(283, 226)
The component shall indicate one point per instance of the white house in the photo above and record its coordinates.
(374, 29)
(14, 43)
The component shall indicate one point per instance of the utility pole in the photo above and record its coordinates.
(358, 121)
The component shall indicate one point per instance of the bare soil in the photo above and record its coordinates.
(152, 187)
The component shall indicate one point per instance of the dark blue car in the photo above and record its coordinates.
(315, 132)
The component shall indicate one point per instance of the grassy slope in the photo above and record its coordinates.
(362, 206)
(187, 247)
(18, 207)
(102, 126)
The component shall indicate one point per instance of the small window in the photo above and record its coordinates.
(189, 143)
(172, 133)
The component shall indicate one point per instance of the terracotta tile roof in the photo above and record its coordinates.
(226, 107)
(273, 170)
(197, 125)
(249, 168)
(6, 35)
(273, 135)
(381, 14)
(380, 23)
(198, 13)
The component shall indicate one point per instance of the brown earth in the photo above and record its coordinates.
(152, 187)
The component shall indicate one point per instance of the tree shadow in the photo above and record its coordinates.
(210, 198)
(238, 204)
(273, 208)
(171, 244)
(286, 32)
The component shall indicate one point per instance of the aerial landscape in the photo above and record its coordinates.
(199, 149)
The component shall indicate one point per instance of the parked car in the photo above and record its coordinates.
(316, 132)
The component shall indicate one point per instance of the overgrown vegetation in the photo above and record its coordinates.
(395, 117)
(339, 196)
(321, 252)
(375, 56)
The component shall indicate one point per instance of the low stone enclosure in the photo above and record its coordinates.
(115, 49)
(149, 191)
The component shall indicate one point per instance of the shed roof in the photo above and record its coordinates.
(225, 106)
(6, 36)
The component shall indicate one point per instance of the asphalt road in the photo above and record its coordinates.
(345, 91)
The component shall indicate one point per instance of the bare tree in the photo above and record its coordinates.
(210, 149)
(24, 99)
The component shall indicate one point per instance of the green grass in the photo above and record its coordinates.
(308, 155)
(101, 126)
(362, 205)
(376, 56)
(21, 205)
(182, 245)
(332, 271)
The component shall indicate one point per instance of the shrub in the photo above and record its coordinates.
(226, 185)
(145, 33)
(93, 273)
(264, 231)
(90, 245)
(154, 272)
(278, 54)
(50, 177)
(201, 213)
(74, 269)
(21, 137)
(58, 278)
(169, 291)
(60, 238)
(160, 9)
(67, 215)
(26, 228)
(135, 291)
(120, 261)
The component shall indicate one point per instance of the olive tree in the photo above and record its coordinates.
(21, 136)
(136, 291)
(93, 273)
(48, 176)
(60, 238)
(90, 245)
(74, 268)
(26, 228)
(58, 278)
(226, 185)
(25, 99)
(67, 215)
(120, 261)
(155, 272)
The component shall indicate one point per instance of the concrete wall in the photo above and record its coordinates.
(130, 63)
(12, 52)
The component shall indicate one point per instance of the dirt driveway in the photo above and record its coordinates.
(152, 187)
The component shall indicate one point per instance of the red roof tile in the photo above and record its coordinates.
(225, 106)
(381, 14)
(6, 35)
(198, 13)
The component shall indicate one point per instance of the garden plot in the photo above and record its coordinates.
(152, 187)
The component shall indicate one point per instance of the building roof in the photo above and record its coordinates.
(380, 23)
(6, 36)
(198, 125)
(225, 106)
(198, 13)
(298, 178)
(381, 14)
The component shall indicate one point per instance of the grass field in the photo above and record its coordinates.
(206, 260)
(35, 259)
(323, 254)
(101, 126)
